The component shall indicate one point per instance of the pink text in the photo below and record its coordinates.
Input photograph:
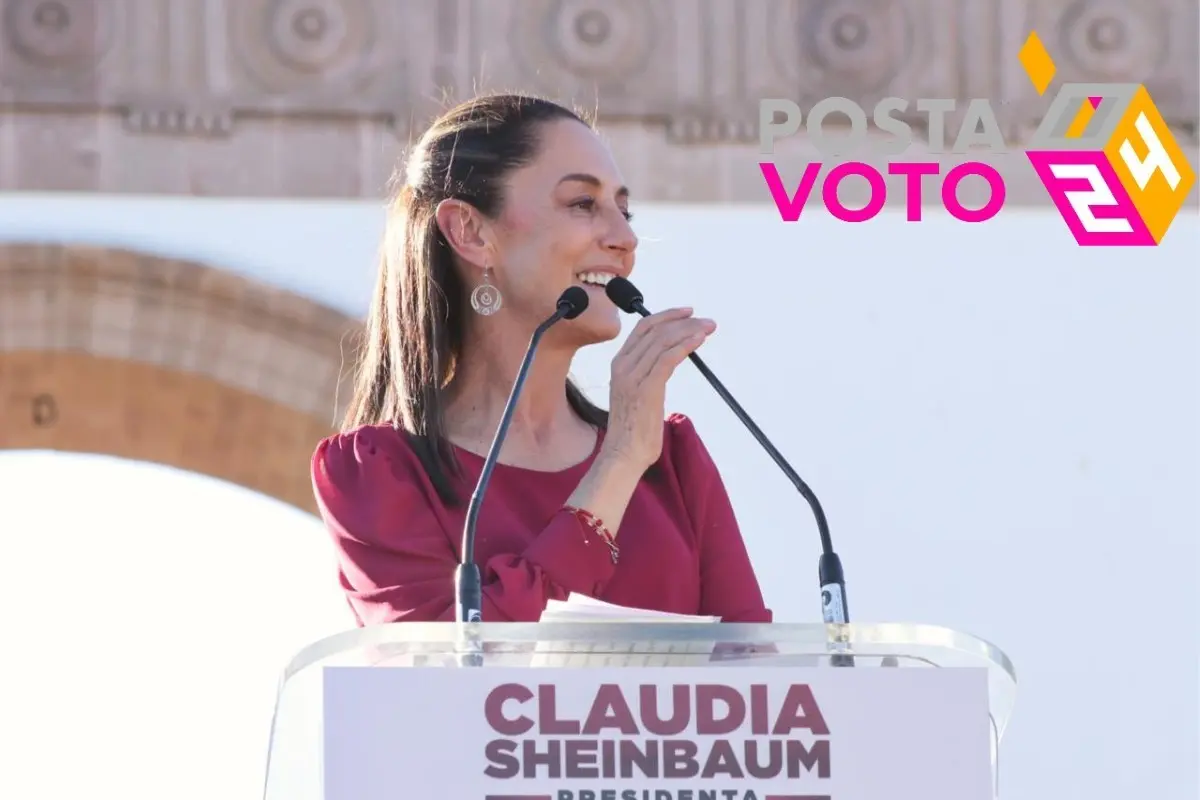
(791, 206)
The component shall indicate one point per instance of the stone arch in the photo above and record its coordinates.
(123, 353)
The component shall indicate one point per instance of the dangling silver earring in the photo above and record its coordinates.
(486, 297)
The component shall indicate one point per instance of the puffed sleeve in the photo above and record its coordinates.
(728, 586)
(396, 555)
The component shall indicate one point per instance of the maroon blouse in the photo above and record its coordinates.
(398, 544)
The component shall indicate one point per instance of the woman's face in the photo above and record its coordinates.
(565, 221)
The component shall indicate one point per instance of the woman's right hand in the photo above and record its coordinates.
(640, 371)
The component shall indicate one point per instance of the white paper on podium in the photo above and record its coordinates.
(579, 608)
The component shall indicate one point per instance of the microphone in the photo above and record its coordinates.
(468, 586)
(626, 297)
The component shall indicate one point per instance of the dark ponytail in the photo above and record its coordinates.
(415, 326)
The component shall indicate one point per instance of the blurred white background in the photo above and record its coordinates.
(1004, 429)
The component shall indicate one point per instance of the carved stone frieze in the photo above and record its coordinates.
(1101, 41)
(320, 97)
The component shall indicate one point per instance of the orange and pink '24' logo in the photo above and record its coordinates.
(1107, 158)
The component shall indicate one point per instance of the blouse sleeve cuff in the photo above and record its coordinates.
(572, 556)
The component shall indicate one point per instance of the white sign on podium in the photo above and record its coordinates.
(685, 733)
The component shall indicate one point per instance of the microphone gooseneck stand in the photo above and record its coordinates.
(468, 585)
(834, 606)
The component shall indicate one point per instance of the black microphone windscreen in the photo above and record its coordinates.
(624, 295)
(576, 300)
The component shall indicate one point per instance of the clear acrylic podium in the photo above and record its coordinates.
(294, 769)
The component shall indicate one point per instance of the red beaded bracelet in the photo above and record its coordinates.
(596, 526)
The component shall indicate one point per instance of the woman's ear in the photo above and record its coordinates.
(465, 231)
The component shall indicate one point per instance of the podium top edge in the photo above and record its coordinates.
(939, 646)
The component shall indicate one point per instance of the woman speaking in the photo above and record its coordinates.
(506, 201)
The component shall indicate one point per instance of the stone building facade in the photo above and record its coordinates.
(318, 98)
